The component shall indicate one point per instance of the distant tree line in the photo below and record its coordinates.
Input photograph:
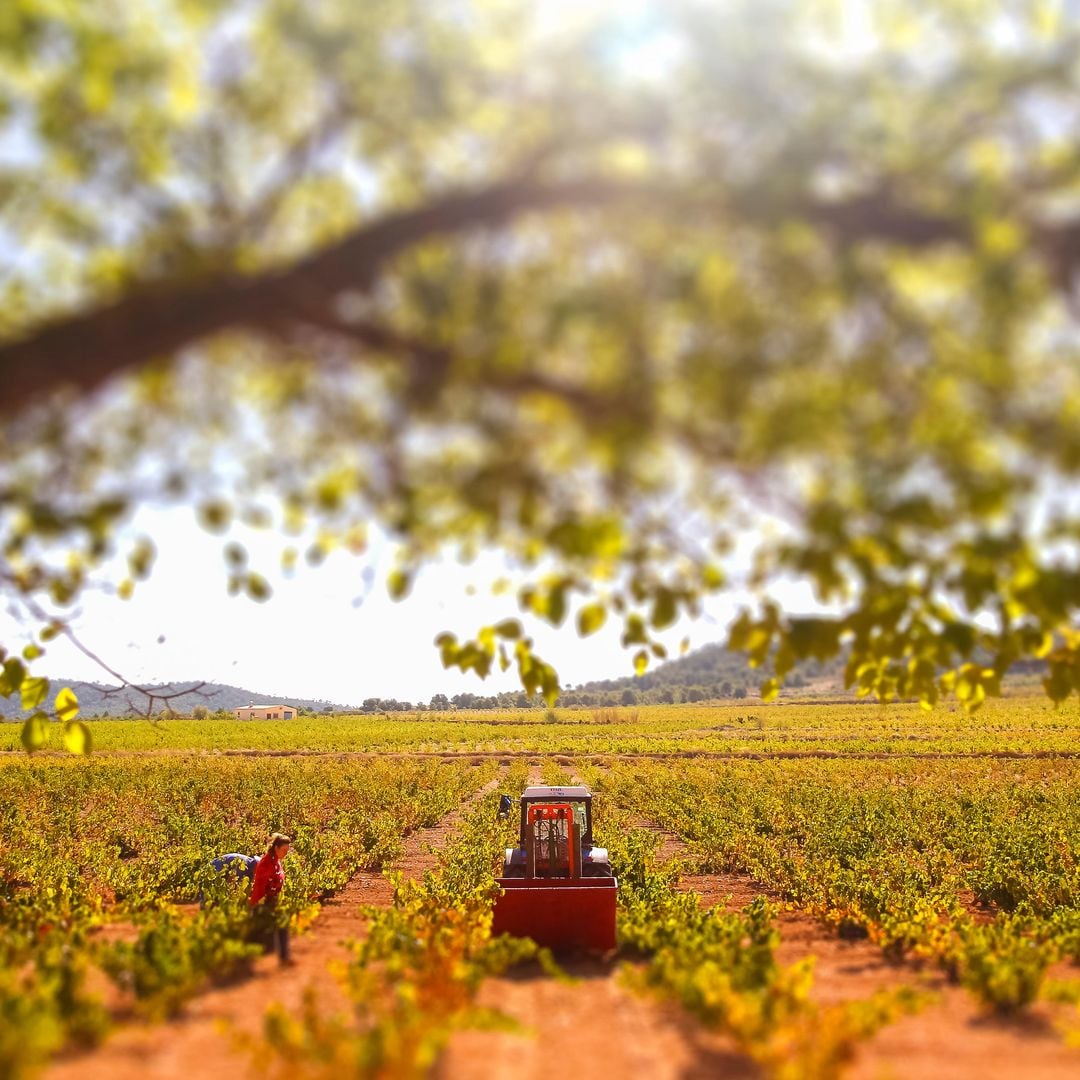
(581, 697)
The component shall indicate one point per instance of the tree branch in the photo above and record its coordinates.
(431, 362)
(86, 349)
(877, 215)
(63, 628)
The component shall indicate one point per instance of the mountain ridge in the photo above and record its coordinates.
(707, 673)
(710, 666)
(103, 699)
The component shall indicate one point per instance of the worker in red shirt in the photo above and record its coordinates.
(267, 884)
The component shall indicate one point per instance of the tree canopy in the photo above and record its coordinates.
(603, 286)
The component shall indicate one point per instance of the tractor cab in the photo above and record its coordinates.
(556, 833)
(556, 886)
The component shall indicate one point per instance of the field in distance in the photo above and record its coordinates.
(1024, 725)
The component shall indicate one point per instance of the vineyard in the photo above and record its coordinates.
(1027, 725)
(805, 891)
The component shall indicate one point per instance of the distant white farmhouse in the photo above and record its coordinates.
(265, 712)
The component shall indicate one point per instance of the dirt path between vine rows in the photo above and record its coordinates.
(594, 1025)
(951, 1038)
(203, 1041)
(599, 1022)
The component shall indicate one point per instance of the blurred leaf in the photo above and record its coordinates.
(591, 618)
(141, 559)
(235, 555)
(398, 584)
(35, 732)
(66, 705)
(77, 737)
(664, 611)
(257, 587)
(34, 691)
(215, 515)
(11, 678)
(634, 631)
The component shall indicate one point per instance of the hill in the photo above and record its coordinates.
(100, 699)
(714, 672)
(708, 673)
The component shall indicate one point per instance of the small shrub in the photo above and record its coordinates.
(1002, 965)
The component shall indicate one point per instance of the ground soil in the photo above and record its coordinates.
(597, 1023)
(593, 1027)
(951, 1038)
(599, 1019)
(591, 1023)
(204, 1041)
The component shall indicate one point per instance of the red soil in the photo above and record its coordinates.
(951, 1038)
(594, 1027)
(202, 1042)
(597, 1024)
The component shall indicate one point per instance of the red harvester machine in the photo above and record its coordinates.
(557, 888)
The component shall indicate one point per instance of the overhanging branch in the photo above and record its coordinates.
(86, 349)
(431, 362)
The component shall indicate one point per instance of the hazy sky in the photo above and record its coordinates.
(324, 633)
